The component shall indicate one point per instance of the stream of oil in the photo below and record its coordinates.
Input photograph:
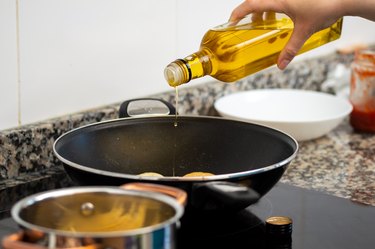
(175, 124)
(176, 103)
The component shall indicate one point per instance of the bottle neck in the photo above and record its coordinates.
(191, 67)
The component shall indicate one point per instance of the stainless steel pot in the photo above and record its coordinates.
(99, 217)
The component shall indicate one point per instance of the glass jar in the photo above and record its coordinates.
(362, 91)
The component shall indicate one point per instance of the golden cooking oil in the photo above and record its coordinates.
(234, 50)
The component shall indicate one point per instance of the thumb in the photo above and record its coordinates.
(297, 39)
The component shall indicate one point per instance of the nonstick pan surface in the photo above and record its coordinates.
(117, 151)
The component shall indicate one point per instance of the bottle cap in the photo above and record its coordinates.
(174, 74)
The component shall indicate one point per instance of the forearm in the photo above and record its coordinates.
(361, 8)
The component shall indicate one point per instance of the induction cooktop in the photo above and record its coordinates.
(319, 221)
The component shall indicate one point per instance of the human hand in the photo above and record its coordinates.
(309, 17)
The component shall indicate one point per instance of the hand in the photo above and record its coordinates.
(308, 17)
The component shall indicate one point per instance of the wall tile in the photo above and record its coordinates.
(79, 54)
(8, 66)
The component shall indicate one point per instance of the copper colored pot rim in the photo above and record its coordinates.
(173, 197)
(16, 241)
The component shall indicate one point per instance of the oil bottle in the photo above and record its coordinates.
(234, 50)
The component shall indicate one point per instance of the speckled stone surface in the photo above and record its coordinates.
(340, 163)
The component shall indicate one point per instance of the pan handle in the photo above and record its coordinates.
(222, 196)
(176, 193)
(146, 107)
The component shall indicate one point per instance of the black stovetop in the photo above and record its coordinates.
(319, 221)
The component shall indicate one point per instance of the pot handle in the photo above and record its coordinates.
(146, 107)
(176, 193)
(222, 196)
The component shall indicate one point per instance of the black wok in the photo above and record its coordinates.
(247, 160)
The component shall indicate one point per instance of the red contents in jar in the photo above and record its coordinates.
(362, 91)
(363, 121)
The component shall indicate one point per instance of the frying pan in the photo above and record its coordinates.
(246, 159)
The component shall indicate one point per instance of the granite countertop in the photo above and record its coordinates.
(340, 163)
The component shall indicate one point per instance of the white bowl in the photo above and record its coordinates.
(302, 114)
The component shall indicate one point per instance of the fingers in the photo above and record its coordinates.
(251, 6)
(240, 11)
(298, 38)
(270, 16)
(300, 33)
(257, 17)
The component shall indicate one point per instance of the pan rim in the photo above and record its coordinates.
(227, 176)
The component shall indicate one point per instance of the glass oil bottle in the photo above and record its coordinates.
(234, 50)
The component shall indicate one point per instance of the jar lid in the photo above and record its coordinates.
(279, 225)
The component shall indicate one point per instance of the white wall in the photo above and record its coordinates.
(8, 65)
(79, 54)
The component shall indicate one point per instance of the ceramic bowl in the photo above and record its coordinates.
(302, 114)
